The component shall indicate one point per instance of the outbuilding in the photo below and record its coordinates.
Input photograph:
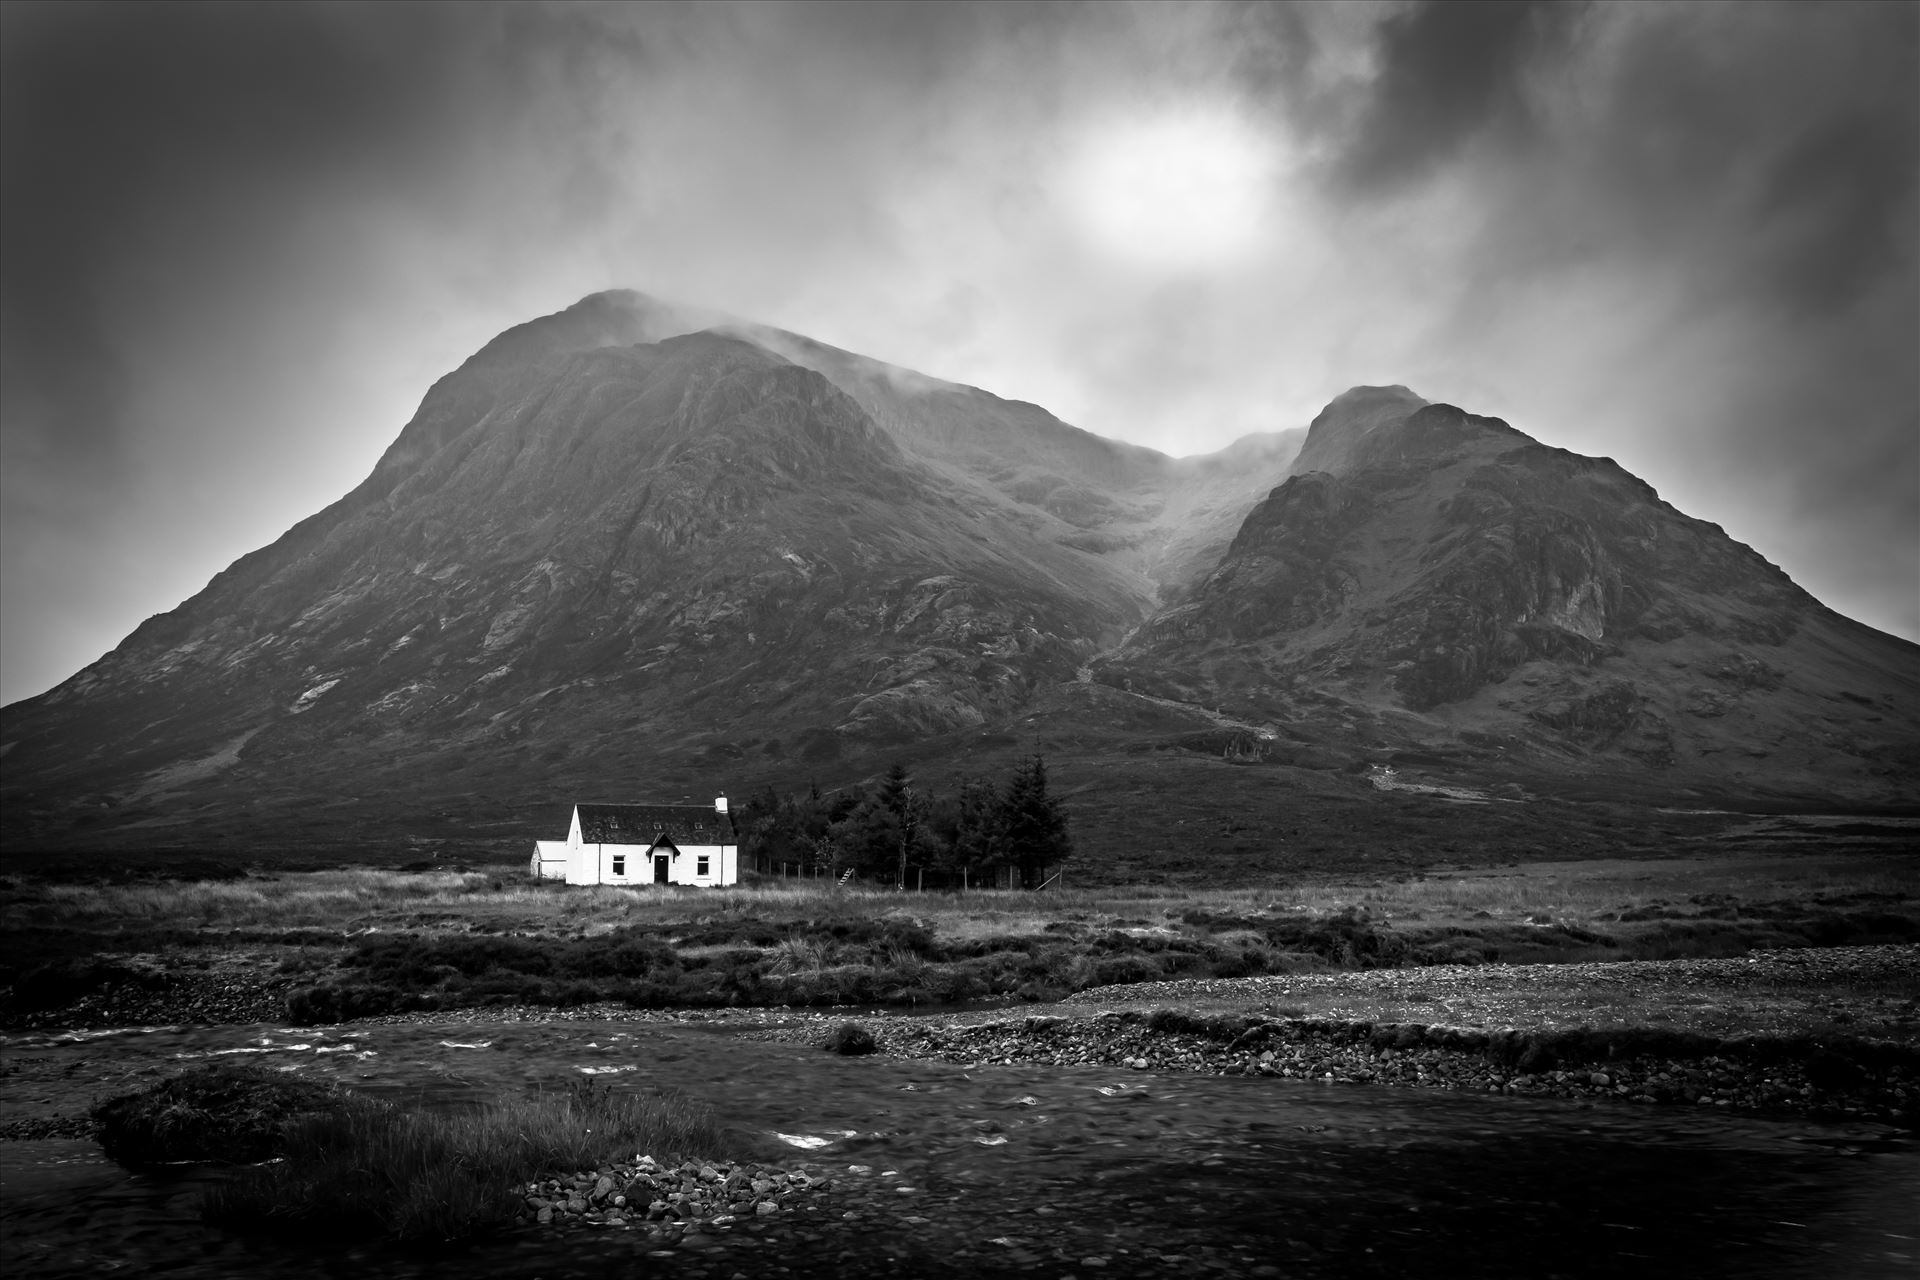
(635, 844)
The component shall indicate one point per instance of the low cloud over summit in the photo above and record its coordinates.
(239, 242)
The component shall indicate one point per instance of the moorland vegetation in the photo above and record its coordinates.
(325, 1163)
(328, 946)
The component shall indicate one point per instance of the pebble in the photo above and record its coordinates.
(1339, 1051)
(1827, 1077)
(676, 1201)
(190, 996)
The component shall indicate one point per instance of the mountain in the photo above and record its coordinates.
(1437, 579)
(637, 550)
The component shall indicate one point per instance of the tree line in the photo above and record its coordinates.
(903, 834)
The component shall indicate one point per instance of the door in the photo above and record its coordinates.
(659, 868)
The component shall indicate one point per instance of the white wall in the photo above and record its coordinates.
(593, 864)
(549, 859)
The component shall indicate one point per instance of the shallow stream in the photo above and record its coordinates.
(947, 1171)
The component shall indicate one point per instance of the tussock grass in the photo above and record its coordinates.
(375, 941)
(367, 1170)
(212, 1114)
(318, 898)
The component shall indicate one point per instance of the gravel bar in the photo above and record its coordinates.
(1772, 1033)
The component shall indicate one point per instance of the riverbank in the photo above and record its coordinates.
(1830, 1033)
(956, 1172)
(328, 947)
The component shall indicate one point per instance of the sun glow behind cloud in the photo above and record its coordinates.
(1680, 235)
(1176, 188)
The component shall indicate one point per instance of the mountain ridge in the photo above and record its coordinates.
(633, 540)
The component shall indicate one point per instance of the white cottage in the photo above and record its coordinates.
(636, 844)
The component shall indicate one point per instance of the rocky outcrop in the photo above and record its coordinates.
(1427, 560)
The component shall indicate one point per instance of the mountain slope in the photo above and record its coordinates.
(1451, 582)
(620, 554)
(633, 550)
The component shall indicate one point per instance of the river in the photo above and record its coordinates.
(948, 1171)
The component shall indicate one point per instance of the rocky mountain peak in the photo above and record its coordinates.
(1422, 559)
(611, 318)
(636, 540)
(1358, 410)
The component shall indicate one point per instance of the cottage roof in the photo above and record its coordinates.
(646, 823)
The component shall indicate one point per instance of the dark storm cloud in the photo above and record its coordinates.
(1784, 144)
(1840, 190)
(1448, 72)
(1777, 141)
(195, 200)
(1738, 183)
(240, 241)
(121, 122)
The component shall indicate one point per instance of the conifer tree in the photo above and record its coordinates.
(968, 826)
(1033, 826)
(887, 830)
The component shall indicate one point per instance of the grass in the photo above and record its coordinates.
(366, 1170)
(1837, 996)
(218, 1114)
(351, 899)
(365, 941)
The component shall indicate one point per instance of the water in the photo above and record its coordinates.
(1027, 1170)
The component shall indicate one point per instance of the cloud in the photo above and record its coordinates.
(239, 242)
(1680, 235)
(1448, 73)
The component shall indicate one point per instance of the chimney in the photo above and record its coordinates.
(719, 804)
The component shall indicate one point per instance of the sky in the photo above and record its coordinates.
(237, 243)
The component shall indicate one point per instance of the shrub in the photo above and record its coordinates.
(647, 995)
(956, 984)
(751, 931)
(630, 957)
(879, 937)
(223, 1113)
(305, 962)
(1346, 939)
(1114, 970)
(334, 1002)
(366, 1169)
(798, 955)
(61, 982)
(850, 1039)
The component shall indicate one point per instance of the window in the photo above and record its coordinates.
(701, 867)
(619, 864)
